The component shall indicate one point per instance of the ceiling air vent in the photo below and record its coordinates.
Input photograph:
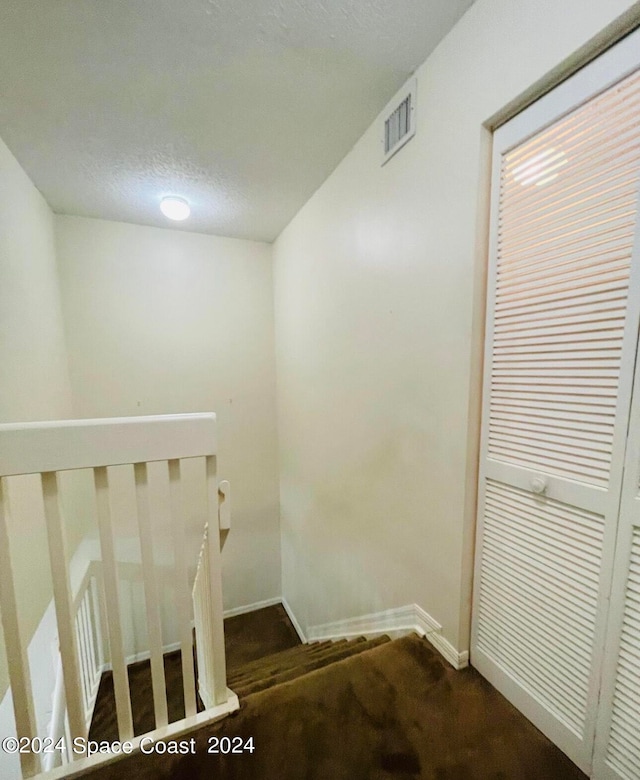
(400, 121)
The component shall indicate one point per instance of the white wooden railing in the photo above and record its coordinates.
(88, 620)
(50, 448)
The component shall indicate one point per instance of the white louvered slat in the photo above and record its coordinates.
(603, 250)
(569, 237)
(562, 281)
(568, 315)
(528, 267)
(569, 191)
(547, 302)
(611, 107)
(589, 440)
(616, 185)
(534, 420)
(543, 573)
(562, 328)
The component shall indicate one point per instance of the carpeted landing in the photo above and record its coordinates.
(247, 638)
(382, 710)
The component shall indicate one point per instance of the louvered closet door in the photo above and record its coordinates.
(617, 753)
(561, 342)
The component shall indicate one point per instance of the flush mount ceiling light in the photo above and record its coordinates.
(175, 208)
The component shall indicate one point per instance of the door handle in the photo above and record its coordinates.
(539, 485)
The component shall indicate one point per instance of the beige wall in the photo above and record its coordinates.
(378, 291)
(34, 383)
(159, 322)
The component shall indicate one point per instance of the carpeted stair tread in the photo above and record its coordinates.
(310, 664)
(305, 665)
(274, 664)
(306, 653)
(239, 668)
(281, 658)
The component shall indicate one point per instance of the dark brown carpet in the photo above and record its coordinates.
(104, 725)
(257, 634)
(247, 638)
(291, 664)
(395, 711)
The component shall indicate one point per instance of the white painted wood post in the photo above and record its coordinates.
(91, 649)
(154, 628)
(19, 674)
(203, 621)
(214, 576)
(57, 725)
(101, 610)
(65, 615)
(98, 615)
(81, 632)
(183, 601)
(112, 606)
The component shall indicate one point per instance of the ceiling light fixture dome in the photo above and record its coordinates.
(175, 208)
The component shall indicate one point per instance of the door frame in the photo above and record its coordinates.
(593, 78)
(614, 32)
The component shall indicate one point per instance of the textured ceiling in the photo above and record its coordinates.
(244, 107)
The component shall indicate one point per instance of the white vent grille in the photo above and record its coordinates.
(565, 237)
(623, 750)
(399, 124)
(538, 594)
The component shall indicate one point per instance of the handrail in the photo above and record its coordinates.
(63, 445)
(51, 447)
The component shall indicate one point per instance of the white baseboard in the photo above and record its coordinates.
(252, 607)
(170, 648)
(394, 622)
(294, 620)
(145, 655)
(269, 603)
(424, 624)
(459, 660)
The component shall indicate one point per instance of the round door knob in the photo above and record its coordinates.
(539, 485)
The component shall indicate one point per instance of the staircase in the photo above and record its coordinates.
(245, 680)
(149, 518)
(356, 710)
(263, 707)
(288, 665)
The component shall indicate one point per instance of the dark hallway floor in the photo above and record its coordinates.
(396, 711)
(246, 638)
(257, 634)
